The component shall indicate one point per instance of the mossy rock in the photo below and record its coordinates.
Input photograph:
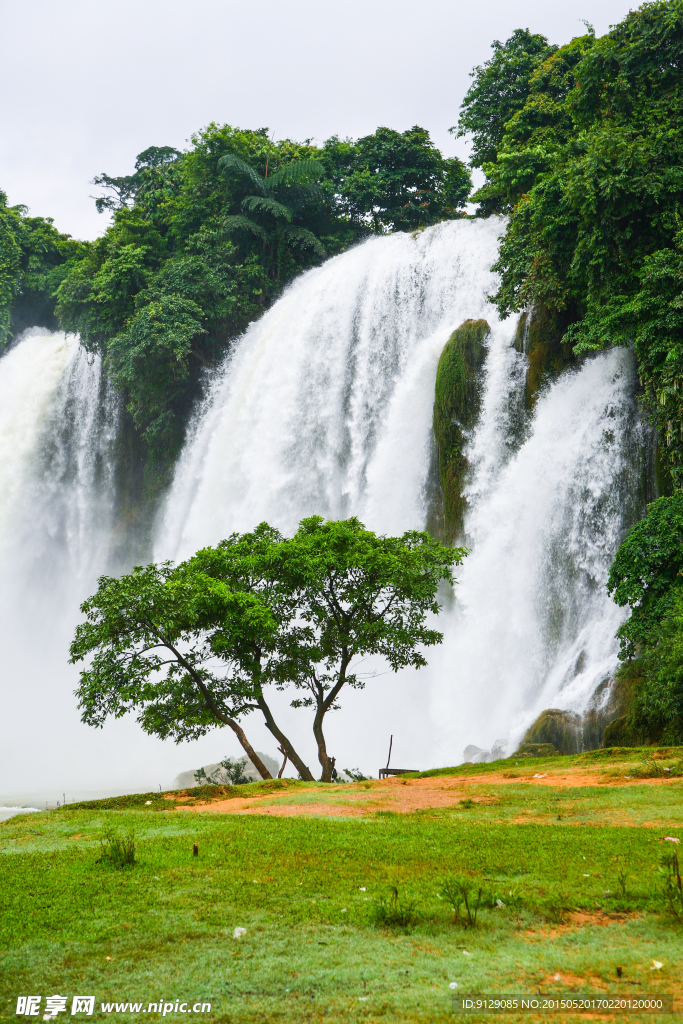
(562, 729)
(536, 750)
(457, 401)
(539, 335)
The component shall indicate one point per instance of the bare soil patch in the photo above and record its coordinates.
(404, 796)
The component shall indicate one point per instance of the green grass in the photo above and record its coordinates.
(314, 949)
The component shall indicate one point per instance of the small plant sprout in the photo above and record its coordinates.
(117, 850)
(459, 891)
(672, 890)
(621, 874)
(395, 910)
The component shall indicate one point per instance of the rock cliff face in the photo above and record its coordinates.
(186, 780)
(457, 401)
(540, 338)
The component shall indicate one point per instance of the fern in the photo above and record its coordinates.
(305, 237)
(232, 162)
(266, 205)
(238, 220)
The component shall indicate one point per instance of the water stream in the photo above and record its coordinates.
(325, 406)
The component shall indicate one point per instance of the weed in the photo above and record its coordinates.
(621, 874)
(459, 891)
(467, 803)
(672, 890)
(354, 774)
(116, 850)
(395, 910)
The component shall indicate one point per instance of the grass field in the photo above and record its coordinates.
(571, 848)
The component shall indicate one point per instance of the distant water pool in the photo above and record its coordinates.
(9, 812)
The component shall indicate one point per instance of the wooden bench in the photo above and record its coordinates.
(384, 773)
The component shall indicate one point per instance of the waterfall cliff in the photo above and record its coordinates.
(325, 406)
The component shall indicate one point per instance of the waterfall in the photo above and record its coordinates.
(58, 420)
(533, 626)
(57, 431)
(325, 406)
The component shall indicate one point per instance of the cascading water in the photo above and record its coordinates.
(58, 422)
(325, 407)
(533, 626)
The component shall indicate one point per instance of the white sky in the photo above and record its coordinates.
(87, 85)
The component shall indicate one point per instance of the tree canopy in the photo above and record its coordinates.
(201, 242)
(198, 645)
(589, 170)
(646, 577)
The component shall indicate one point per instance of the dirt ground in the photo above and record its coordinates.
(403, 796)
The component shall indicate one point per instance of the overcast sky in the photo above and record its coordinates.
(87, 85)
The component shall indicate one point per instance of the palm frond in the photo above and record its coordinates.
(265, 205)
(304, 237)
(230, 162)
(239, 221)
(299, 171)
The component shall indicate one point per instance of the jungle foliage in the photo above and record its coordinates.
(199, 645)
(589, 170)
(646, 577)
(581, 148)
(34, 259)
(201, 242)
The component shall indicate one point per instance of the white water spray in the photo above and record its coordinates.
(533, 626)
(58, 423)
(325, 406)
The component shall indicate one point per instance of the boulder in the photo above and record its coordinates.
(562, 729)
(186, 780)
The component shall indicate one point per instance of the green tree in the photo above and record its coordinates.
(360, 596)
(645, 569)
(198, 645)
(274, 207)
(10, 258)
(34, 258)
(395, 181)
(500, 89)
(590, 170)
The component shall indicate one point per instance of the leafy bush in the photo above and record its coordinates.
(227, 771)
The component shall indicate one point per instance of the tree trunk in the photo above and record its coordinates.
(322, 746)
(248, 749)
(287, 747)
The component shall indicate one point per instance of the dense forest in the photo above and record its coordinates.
(581, 149)
(201, 242)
